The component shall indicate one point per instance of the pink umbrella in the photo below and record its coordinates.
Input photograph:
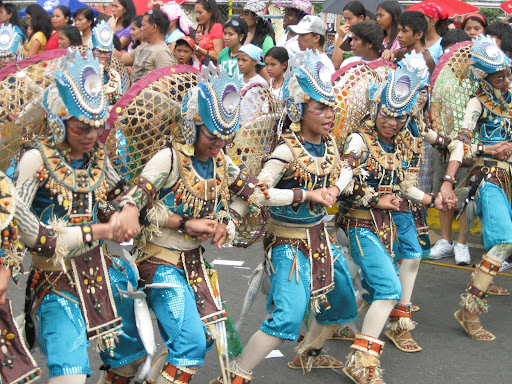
(451, 7)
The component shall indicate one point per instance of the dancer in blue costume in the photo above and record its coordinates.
(116, 79)
(485, 139)
(408, 251)
(306, 268)
(73, 285)
(184, 192)
(379, 167)
(11, 48)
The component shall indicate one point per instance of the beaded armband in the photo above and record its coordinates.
(243, 186)
(374, 200)
(298, 196)
(146, 188)
(441, 143)
(464, 135)
(46, 241)
(350, 159)
(87, 235)
(117, 190)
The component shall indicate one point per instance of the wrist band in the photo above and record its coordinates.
(480, 148)
(374, 200)
(298, 196)
(87, 235)
(432, 203)
(449, 179)
(182, 222)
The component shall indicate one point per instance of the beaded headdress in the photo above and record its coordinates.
(398, 95)
(78, 93)
(214, 103)
(310, 79)
(103, 37)
(10, 43)
(487, 58)
(417, 66)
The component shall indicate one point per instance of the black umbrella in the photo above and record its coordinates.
(336, 6)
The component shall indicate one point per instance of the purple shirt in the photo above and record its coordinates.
(125, 32)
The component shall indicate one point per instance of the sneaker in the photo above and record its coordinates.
(462, 255)
(441, 249)
(506, 265)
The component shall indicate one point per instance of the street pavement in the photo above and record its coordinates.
(448, 355)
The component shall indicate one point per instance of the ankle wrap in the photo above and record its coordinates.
(177, 375)
(482, 277)
(402, 309)
(368, 344)
(114, 378)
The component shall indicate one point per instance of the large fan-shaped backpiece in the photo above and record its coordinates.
(22, 85)
(350, 85)
(452, 88)
(144, 118)
(260, 112)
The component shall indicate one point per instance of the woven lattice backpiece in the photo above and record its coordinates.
(143, 120)
(22, 86)
(352, 104)
(260, 112)
(451, 90)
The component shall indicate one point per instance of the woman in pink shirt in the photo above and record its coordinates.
(210, 33)
(387, 16)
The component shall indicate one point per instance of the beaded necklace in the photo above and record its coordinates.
(75, 189)
(200, 197)
(311, 171)
(381, 165)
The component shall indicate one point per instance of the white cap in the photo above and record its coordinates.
(310, 24)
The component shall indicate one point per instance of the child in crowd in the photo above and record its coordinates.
(135, 33)
(184, 50)
(276, 64)
(249, 56)
(235, 33)
(412, 30)
(69, 36)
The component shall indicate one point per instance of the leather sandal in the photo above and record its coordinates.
(367, 377)
(475, 334)
(496, 290)
(321, 361)
(346, 333)
(401, 342)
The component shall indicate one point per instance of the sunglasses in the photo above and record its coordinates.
(399, 119)
(212, 138)
(82, 131)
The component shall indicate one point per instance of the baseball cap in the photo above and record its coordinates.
(190, 41)
(310, 24)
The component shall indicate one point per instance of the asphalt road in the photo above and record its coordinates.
(448, 355)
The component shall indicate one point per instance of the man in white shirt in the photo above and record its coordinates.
(294, 11)
(311, 30)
